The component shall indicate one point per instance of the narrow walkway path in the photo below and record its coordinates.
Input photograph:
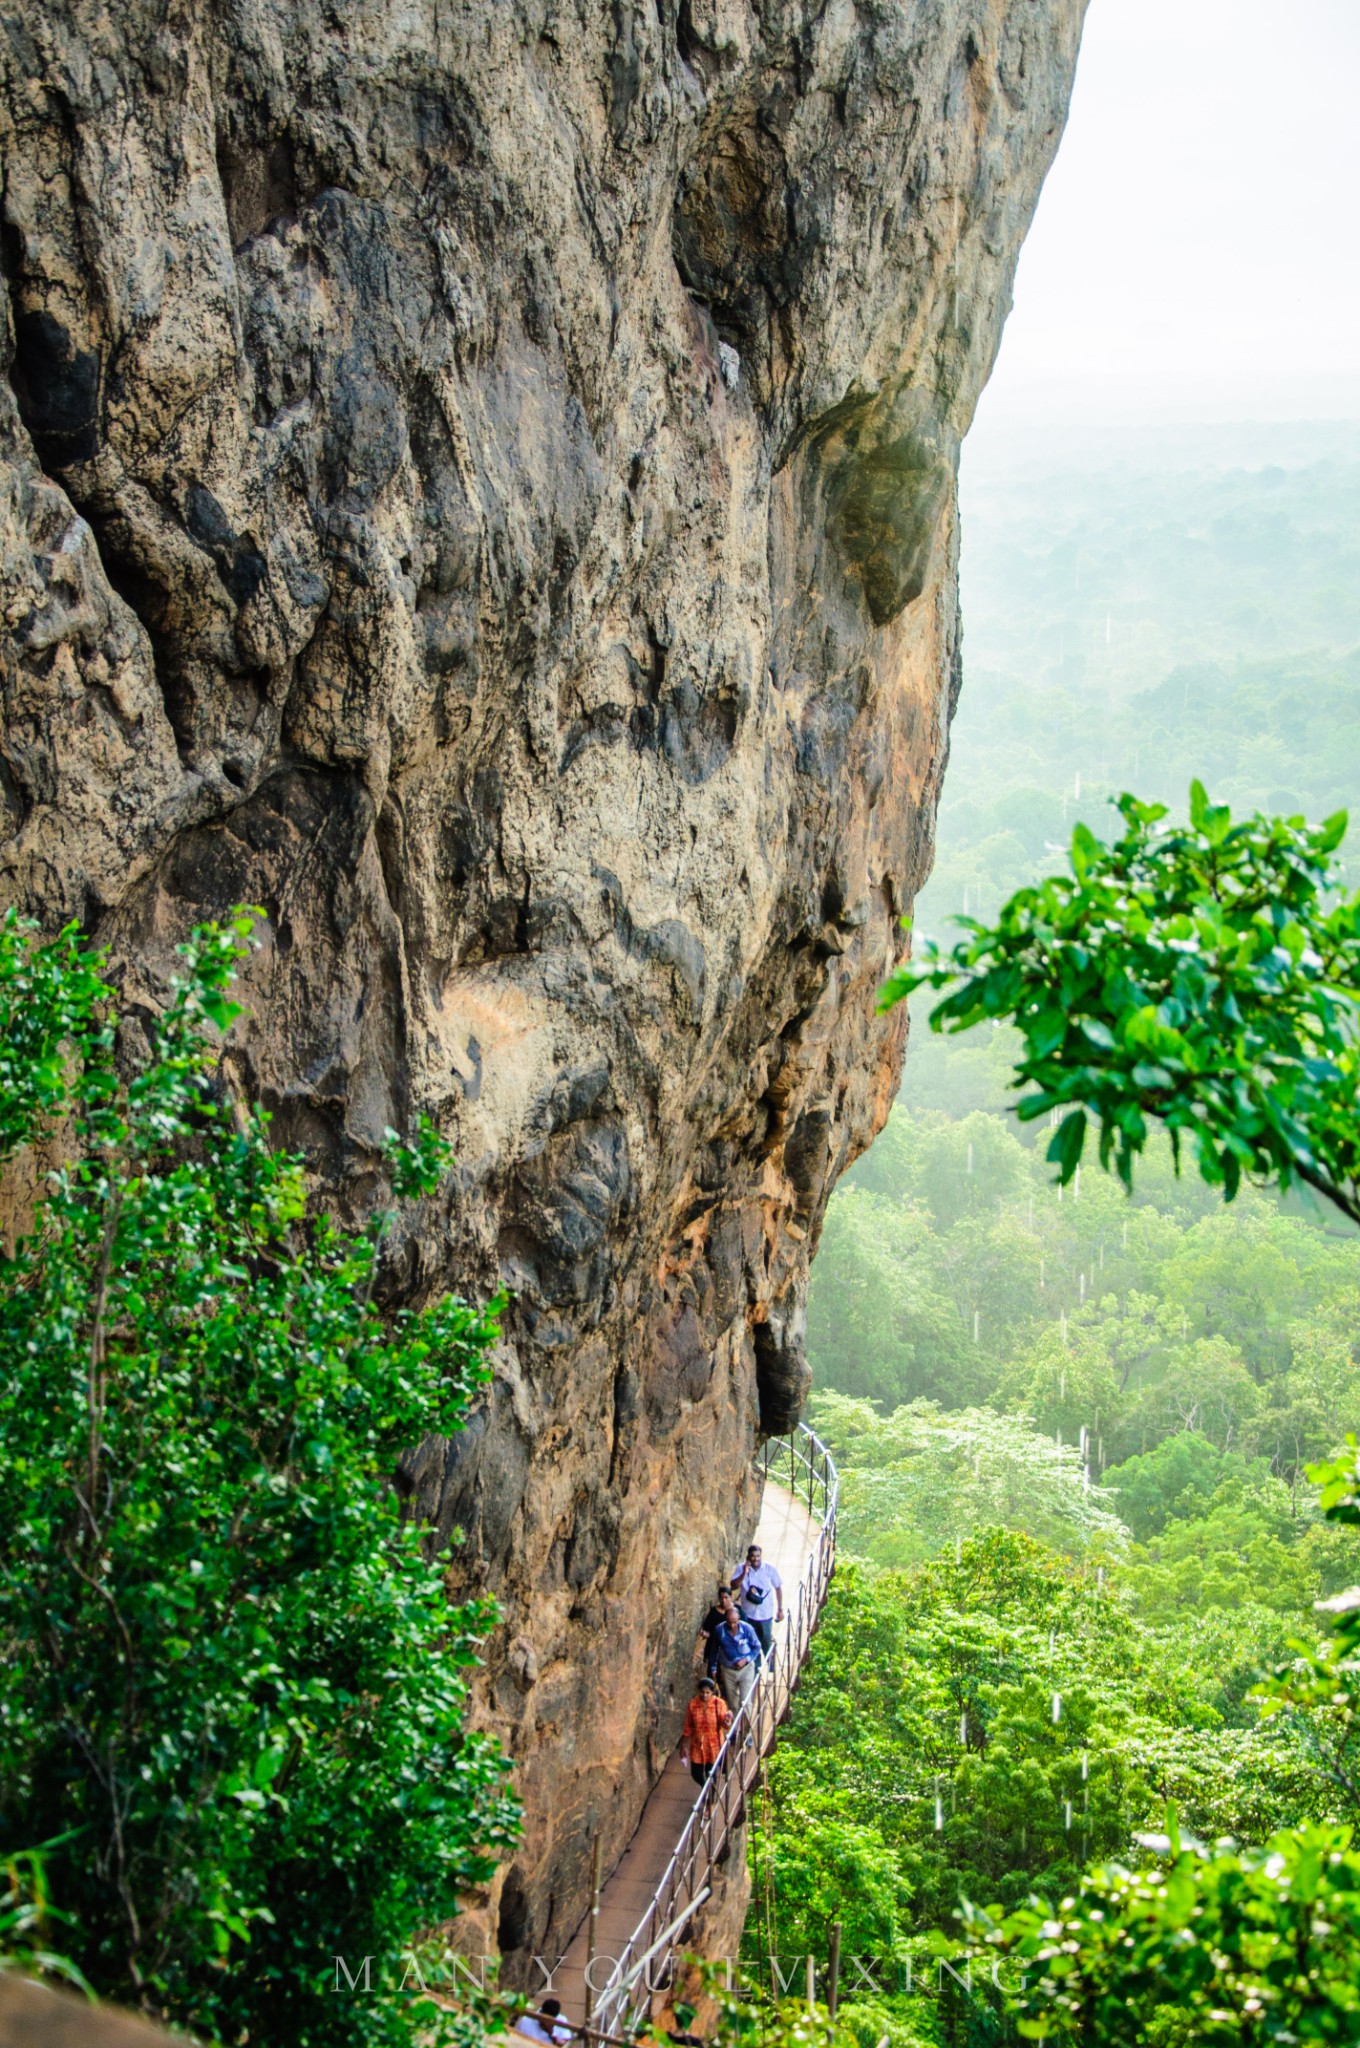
(788, 1534)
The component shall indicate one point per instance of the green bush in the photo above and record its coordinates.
(1257, 1945)
(234, 1680)
(1260, 1946)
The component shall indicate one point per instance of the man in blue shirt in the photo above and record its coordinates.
(737, 1648)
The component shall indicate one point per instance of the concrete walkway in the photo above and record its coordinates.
(787, 1533)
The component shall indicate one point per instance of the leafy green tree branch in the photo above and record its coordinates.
(1204, 976)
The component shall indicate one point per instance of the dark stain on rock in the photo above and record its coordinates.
(885, 505)
(240, 565)
(259, 184)
(57, 385)
(783, 1375)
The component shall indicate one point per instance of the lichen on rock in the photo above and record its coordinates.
(479, 482)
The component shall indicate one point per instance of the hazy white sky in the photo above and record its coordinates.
(1197, 248)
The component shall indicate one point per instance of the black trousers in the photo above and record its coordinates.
(700, 1773)
(765, 1630)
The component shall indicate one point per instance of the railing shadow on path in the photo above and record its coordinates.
(798, 1532)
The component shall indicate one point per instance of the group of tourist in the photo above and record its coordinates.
(547, 2024)
(737, 1635)
(738, 1638)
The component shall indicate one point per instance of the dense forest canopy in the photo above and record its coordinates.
(1075, 1425)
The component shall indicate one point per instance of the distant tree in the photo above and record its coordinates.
(1065, 1383)
(1203, 1387)
(1310, 1409)
(1174, 1479)
(1139, 1332)
(1234, 1277)
(879, 1318)
(968, 1167)
(919, 1479)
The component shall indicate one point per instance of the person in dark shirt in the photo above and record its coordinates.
(546, 2024)
(722, 1609)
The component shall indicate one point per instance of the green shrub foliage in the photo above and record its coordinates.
(234, 1682)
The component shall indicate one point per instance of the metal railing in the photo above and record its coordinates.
(802, 1464)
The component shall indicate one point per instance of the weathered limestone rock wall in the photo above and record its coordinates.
(479, 482)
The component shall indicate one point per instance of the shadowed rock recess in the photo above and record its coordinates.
(479, 483)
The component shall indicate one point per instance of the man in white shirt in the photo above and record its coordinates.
(759, 1593)
(546, 2024)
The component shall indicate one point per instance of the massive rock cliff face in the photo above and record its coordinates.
(479, 483)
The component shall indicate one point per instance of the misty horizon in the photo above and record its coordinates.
(1220, 282)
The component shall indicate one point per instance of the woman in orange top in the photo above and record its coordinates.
(706, 1723)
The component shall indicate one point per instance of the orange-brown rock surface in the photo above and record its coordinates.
(479, 483)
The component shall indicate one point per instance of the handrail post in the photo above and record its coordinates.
(593, 1925)
(833, 1988)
